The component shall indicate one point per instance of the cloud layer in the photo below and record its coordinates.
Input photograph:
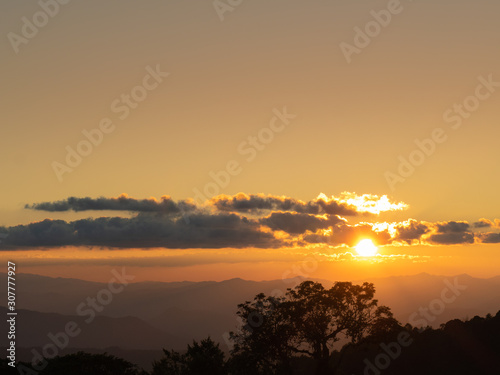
(122, 203)
(239, 221)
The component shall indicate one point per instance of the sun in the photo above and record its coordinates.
(366, 248)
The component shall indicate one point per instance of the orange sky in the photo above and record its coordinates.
(351, 126)
(258, 264)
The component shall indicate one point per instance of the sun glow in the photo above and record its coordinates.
(366, 248)
(370, 203)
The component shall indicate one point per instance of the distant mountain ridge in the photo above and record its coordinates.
(175, 313)
(33, 329)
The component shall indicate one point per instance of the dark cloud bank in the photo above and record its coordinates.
(239, 221)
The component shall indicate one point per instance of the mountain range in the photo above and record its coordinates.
(155, 315)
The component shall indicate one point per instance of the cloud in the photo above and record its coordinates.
(490, 237)
(452, 233)
(143, 231)
(347, 204)
(237, 221)
(122, 203)
(368, 203)
(452, 238)
(483, 223)
(39, 234)
(256, 203)
(410, 231)
(315, 239)
(295, 223)
(350, 235)
(452, 227)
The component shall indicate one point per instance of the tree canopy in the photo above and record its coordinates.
(308, 320)
(204, 358)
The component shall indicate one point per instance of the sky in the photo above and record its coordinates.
(202, 140)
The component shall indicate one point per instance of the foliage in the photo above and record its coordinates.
(204, 358)
(295, 334)
(308, 321)
(84, 363)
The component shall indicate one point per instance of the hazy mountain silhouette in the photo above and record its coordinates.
(33, 327)
(405, 294)
(292, 334)
(184, 311)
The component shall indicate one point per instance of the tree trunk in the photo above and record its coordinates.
(323, 361)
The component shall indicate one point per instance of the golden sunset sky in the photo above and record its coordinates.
(171, 93)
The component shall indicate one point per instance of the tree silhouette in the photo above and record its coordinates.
(266, 343)
(308, 321)
(277, 342)
(84, 363)
(457, 348)
(171, 364)
(204, 358)
(6, 369)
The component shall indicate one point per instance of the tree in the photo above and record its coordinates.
(204, 358)
(308, 321)
(5, 368)
(171, 364)
(265, 343)
(84, 363)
